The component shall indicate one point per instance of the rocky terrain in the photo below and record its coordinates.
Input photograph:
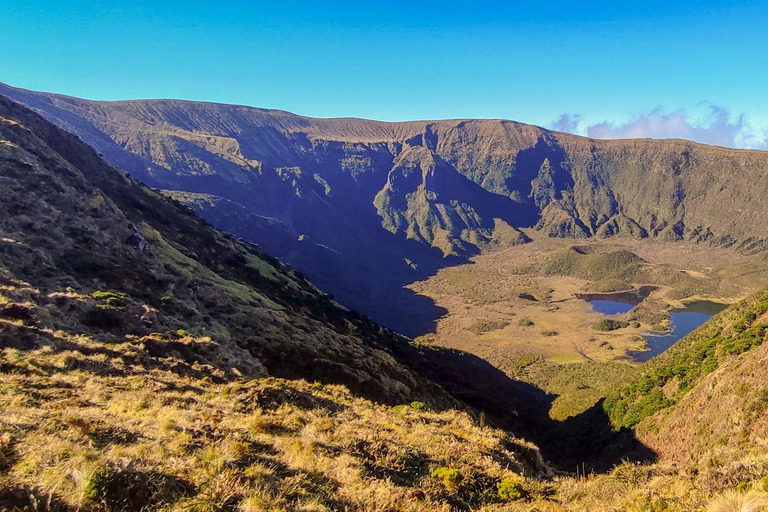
(204, 374)
(364, 207)
(138, 379)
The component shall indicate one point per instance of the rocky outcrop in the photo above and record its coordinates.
(368, 195)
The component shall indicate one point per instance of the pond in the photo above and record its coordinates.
(683, 321)
(611, 307)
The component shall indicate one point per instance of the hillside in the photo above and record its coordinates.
(65, 217)
(700, 407)
(365, 207)
(701, 404)
(79, 435)
(668, 378)
(721, 421)
(205, 374)
(158, 378)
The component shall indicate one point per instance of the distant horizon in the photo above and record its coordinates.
(608, 69)
(386, 121)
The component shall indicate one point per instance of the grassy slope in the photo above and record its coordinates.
(146, 377)
(78, 432)
(719, 423)
(667, 378)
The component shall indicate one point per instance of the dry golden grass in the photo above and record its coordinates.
(85, 428)
(88, 429)
(739, 502)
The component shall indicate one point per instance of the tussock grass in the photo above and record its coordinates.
(92, 439)
(739, 502)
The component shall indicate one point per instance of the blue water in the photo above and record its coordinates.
(610, 307)
(683, 322)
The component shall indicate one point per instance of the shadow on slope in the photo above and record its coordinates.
(586, 439)
(374, 282)
(250, 313)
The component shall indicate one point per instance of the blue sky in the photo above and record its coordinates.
(692, 69)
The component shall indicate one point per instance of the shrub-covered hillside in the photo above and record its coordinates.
(667, 378)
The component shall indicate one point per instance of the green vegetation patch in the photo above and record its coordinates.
(609, 324)
(510, 490)
(450, 477)
(484, 325)
(577, 386)
(594, 264)
(608, 286)
(732, 332)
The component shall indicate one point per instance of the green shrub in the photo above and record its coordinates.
(510, 490)
(418, 406)
(451, 477)
(608, 324)
(549, 332)
(525, 322)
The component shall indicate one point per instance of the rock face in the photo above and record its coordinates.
(199, 303)
(363, 207)
(67, 271)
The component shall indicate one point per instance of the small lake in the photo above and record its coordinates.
(611, 307)
(615, 303)
(683, 321)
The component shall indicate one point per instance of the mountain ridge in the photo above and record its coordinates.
(108, 353)
(415, 196)
(344, 119)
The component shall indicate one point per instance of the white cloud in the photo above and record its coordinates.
(713, 125)
(567, 123)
